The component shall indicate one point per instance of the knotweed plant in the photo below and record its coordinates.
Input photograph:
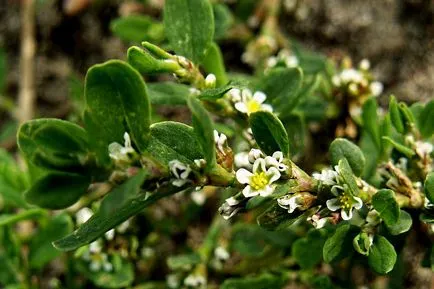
(120, 188)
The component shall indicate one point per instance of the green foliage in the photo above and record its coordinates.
(137, 28)
(429, 187)
(384, 202)
(382, 257)
(342, 148)
(269, 132)
(340, 244)
(189, 26)
(308, 251)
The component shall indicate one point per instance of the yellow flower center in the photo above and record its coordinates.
(258, 181)
(345, 202)
(253, 106)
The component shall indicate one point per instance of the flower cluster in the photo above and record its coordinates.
(246, 102)
(284, 58)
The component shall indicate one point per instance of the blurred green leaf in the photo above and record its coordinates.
(214, 63)
(426, 120)
(168, 93)
(308, 251)
(402, 225)
(223, 20)
(184, 262)
(137, 28)
(8, 219)
(429, 187)
(340, 244)
(265, 281)
(371, 121)
(395, 115)
(146, 63)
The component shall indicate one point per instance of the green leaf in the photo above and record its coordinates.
(215, 93)
(137, 28)
(100, 223)
(371, 121)
(282, 87)
(57, 190)
(384, 202)
(223, 19)
(276, 218)
(347, 174)
(183, 262)
(116, 102)
(402, 225)
(173, 140)
(204, 130)
(408, 152)
(168, 93)
(146, 63)
(382, 256)
(214, 63)
(407, 116)
(3, 71)
(295, 126)
(6, 219)
(429, 187)
(307, 251)
(265, 281)
(189, 26)
(53, 144)
(395, 115)
(269, 133)
(340, 244)
(426, 120)
(41, 249)
(342, 148)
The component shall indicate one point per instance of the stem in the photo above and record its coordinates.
(27, 94)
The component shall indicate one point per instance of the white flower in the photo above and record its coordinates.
(327, 177)
(364, 64)
(95, 247)
(220, 140)
(196, 281)
(291, 61)
(110, 235)
(198, 197)
(351, 75)
(241, 160)
(259, 182)
(172, 281)
(83, 215)
(250, 104)
(271, 61)
(221, 253)
(234, 95)
(122, 228)
(200, 163)
(255, 154)
(121, 153)
(423, 149)
(376, 88)
(194, 91)
(345, 202)
(276, 160)
(210, 81)
(180, 171)
(316, 221)
(290, 202)
(100, 262)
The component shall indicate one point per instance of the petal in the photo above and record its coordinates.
(274, 174)
(248, 192)
(243, 176)
(270, 161)
(278, 156)
(321, 223)
(333, 204)
(358, 203)
(266, 107)
(347, 215)
(284, 201)
(259, 164)
(232, 201)
(259, 96)
(216, 136)
(265, 192)
(241, 107)
(246, 94)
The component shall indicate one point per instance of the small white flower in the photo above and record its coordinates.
(200, 163)
(376, 88)
(83, 215)
(351, 75)
(345, 202)
(122, 228)
(290, 202)
(327, 177)
(234, 95)
(423, 149)
(291, 61)
(181, 172)
(100, 262)
(210, 81)
(198, 197)
(276, 160)
(317, 222)
(110, 235)
(194, 91)
(255, 154)
(147, 252)
(228, 211)
(250, 104)
(220, 140)
(221, 253)
(196, 281)
(259, 182)
(118, 152)
(173, 281)
(364, 64)
(232, 201)
(95, 247)
(241, 160)
(271, 61)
